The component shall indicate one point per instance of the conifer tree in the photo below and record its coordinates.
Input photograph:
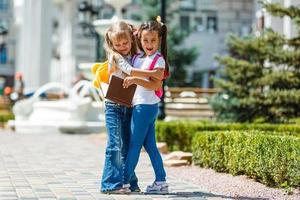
(261, 79)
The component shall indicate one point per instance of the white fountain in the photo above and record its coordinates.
(75, 114)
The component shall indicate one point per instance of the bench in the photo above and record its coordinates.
(188, 103)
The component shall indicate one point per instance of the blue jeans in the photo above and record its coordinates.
(143, 134)
(118, 120)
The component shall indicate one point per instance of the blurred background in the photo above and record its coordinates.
(57, 40)
(45, 41)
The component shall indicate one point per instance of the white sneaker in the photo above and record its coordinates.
(158, 188)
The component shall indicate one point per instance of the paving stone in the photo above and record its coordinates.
(41, 190)
(27, 198)
(104, 198)
(84, 198)
(7, 189)
(162, 147)
(7, 193)
(8, 198)
(175, 163)
(5, 183)
(67, 198)
(68, 167)
(41, 198)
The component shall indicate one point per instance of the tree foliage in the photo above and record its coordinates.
(261, 75)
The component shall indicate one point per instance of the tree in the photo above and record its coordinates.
(261, 77)
(179, 56)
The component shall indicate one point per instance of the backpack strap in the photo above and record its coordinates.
(134, 58)
(159, 92)
(157, 56)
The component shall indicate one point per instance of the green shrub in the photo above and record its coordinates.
(5, 116)
(178, 134)
(271, 159)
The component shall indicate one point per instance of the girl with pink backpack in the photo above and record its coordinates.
(152, 36)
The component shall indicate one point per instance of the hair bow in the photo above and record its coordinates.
(158, 19)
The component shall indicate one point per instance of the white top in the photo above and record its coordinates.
(143, 95)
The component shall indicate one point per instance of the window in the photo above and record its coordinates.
(212, 25)
(185, 23)
(107, 12)
(199, 24)
(3, 24)
(4, 4)
(211, 74)
(3, 54)
(187, 4)
(206, 4)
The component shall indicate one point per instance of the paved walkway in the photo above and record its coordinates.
(69, 167)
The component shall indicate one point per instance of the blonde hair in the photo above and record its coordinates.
(117, 31)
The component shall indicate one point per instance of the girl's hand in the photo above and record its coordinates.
(158, 73)
(128, 81)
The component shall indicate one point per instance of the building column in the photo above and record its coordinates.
(205, 80)
(287, 22)
(34, 55)
(67, 65)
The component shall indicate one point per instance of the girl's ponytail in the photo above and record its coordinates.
(164, 47)
(107, 44)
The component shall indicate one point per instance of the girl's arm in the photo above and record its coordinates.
(128, 69)
(156, 73)
(152, 84)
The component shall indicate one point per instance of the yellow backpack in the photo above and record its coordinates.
(100, 70)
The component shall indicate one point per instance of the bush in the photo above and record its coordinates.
(5, 116)
(178, 134)
(271, 159)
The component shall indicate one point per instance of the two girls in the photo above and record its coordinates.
(120, 46)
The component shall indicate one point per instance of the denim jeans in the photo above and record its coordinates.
(118, 120)
(143, 134)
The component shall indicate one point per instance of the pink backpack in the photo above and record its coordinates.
(159, 92)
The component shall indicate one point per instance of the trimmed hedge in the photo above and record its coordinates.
(271, 159)
(178, 134)
(5, 116)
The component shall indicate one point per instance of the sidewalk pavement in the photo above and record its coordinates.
(68, 167)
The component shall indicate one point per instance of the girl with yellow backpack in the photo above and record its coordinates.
(120, 46)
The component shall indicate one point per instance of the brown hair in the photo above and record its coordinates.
(118, 31)
(161, 29)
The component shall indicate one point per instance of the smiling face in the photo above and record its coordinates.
(150, 42)
(122, 45)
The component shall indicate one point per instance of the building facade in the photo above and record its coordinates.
(209, 22)
(281, 25)
(48, 43)
(7, 43)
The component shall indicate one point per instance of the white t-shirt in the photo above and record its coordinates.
(143, 95)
